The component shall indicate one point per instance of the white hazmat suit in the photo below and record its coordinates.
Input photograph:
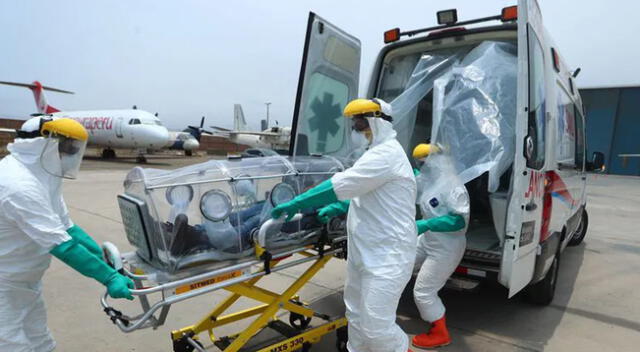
(439, 251)
(381, 240)
(33, 220)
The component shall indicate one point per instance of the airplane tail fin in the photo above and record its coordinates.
(239, 123)
(38, 93)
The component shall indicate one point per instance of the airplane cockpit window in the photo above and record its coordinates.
(152, 122)
(134, 121)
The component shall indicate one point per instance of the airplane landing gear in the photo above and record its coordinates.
(108, 153)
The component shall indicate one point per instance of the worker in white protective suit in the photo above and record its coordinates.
(34, 224)
(381, 190)
(444, 203)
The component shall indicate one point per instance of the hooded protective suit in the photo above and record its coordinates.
(33, 220)
(380, 225)
(381, 240)
(444, 203)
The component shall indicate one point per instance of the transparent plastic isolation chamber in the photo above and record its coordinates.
(212, 211)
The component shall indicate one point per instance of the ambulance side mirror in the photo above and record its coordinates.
(596, 163)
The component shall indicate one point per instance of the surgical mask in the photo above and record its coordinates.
(359, 140)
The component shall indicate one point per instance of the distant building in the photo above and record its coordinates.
(7, 137)
(10, 123)
(613, 127)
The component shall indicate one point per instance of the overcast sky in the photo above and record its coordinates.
(186, 59)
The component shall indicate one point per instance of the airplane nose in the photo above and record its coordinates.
(191, 144)
(160, 137)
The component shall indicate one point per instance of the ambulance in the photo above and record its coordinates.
(523, 213)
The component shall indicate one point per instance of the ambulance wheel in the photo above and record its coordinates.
(542, 292)
(141, 159)
(299, 321)
(342, 337)
(581, 231)
(306, 347)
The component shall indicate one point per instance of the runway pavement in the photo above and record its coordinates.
(597, 304)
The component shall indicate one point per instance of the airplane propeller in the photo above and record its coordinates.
(197, 131)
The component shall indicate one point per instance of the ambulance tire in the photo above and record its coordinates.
(542, 292)
(581, 231)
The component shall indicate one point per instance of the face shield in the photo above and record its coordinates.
(61, 156)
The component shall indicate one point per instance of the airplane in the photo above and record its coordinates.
(187, 140)
(276, 138)
(108, 129)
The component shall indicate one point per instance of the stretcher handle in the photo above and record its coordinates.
(115, 315)
(262, 233)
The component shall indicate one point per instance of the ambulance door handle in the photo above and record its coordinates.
(531, 207)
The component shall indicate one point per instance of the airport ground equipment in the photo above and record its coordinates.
(231, 244)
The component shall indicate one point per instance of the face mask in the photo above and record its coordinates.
(358, 140)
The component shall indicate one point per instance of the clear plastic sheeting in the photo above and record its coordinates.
(474, 112)
(212, 211)
(420, 83)
(473, 106)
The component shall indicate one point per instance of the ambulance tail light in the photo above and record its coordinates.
(392, 35)
(509, 14)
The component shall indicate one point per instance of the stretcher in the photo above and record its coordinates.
(158, 291)
(207, 228)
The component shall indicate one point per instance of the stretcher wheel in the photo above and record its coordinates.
(342, 337)
(299, 321)
(183, 345)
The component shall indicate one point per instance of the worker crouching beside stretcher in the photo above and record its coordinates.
(381, 230)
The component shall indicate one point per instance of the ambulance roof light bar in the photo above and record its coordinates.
(449, 18)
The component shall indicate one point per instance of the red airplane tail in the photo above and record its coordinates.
(38, 93)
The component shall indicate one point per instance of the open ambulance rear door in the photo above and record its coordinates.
(328, 81)
(524, 219)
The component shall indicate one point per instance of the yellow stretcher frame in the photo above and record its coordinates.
(265, 313)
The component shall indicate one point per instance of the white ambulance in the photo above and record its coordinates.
(531, 203)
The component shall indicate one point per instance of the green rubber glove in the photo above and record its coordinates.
(78, 234)
(445, 223)
(332, 210)
(319, 195)
(81, 260)
(422, 225)
(416, 172)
